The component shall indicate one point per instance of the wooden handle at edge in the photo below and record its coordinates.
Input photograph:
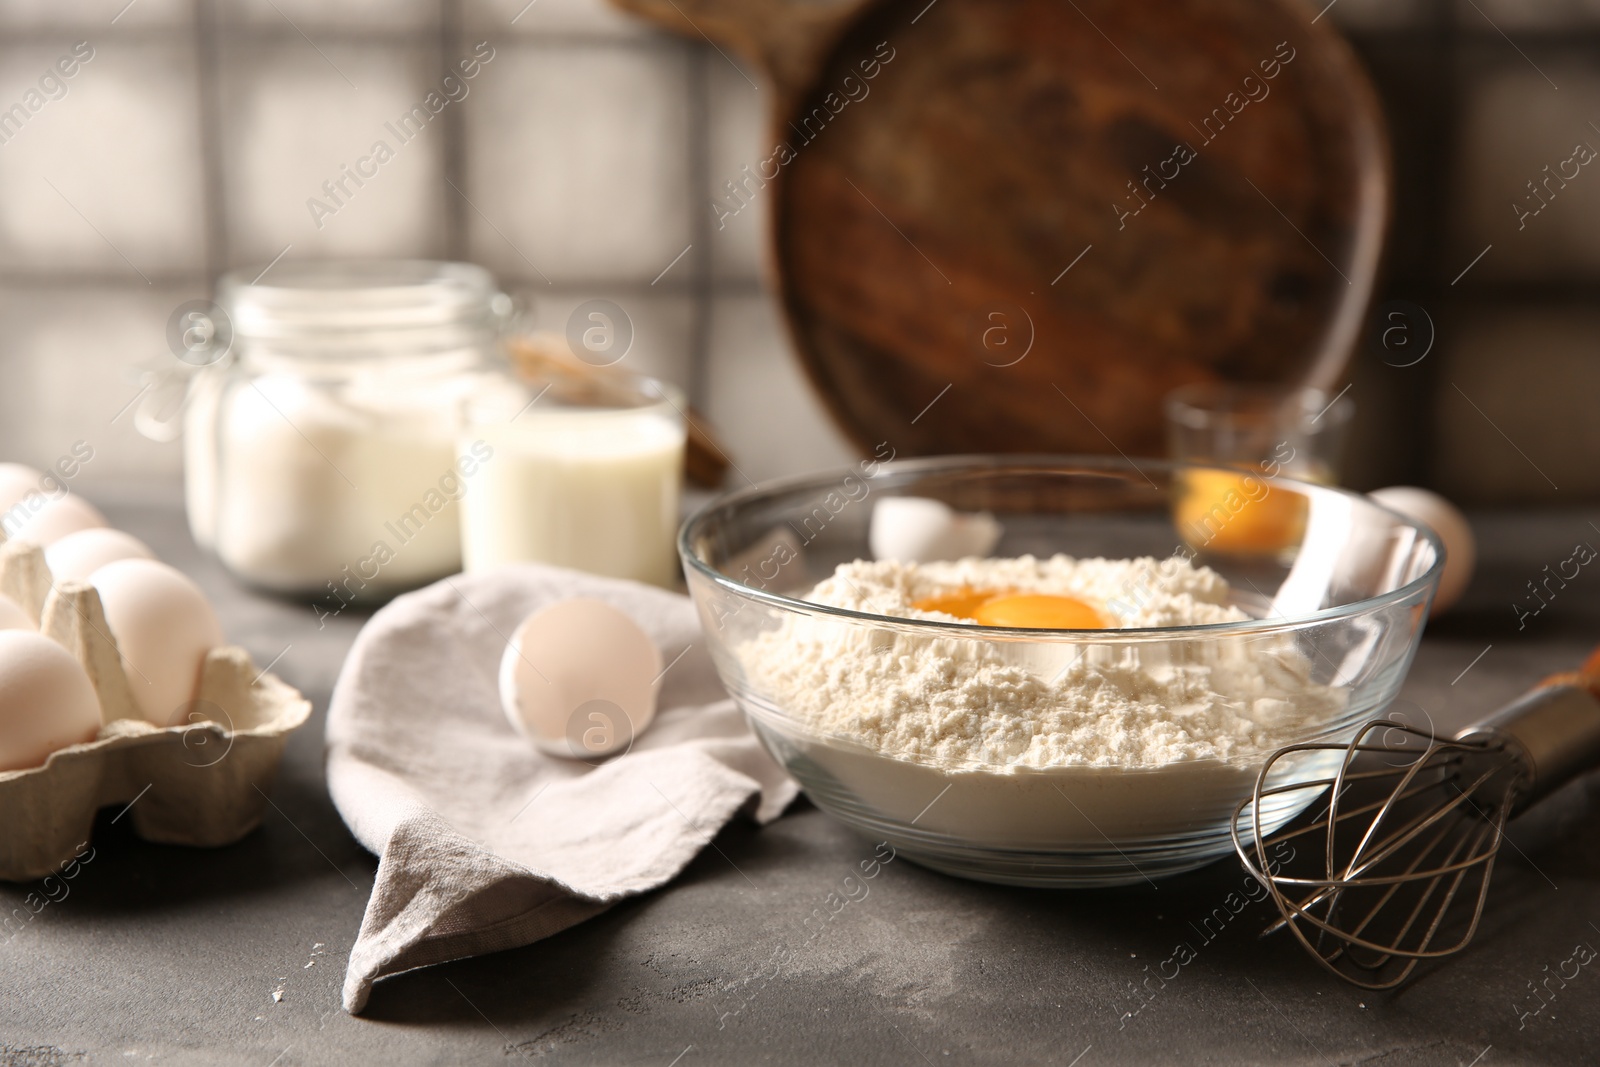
(787, 40)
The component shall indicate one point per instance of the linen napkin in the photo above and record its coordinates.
(484, 842)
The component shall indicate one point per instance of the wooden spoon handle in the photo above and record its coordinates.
(1585, 677)
(545, 358)
(786, 39)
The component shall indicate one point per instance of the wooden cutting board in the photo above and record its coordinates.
(1014, 225)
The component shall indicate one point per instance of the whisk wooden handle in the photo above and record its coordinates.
(1554, 730)
(1587, 676)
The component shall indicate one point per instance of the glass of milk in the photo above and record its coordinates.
(580, 475)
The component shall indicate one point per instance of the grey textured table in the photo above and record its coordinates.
(170, 955)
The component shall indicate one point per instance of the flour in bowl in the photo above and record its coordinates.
(1033, 702)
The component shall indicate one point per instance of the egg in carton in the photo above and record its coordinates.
(201, 783)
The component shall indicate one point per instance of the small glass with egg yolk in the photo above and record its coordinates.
(1263, 431)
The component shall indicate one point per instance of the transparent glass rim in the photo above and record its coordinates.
(1088, 464)
(1188, 406)
(346, 302)
(647, 392)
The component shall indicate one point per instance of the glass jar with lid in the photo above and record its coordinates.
(320, 448)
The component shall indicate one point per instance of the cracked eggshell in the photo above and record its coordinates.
(1446, 520)
(579, 679)
(57, 518)
(919, 530)
(164, 626)
(78, 555)
(46, 701)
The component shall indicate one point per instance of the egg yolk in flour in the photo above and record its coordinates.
(1004, 607)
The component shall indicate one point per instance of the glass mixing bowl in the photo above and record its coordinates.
(1335, 586)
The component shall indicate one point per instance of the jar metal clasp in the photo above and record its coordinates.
(200, 336)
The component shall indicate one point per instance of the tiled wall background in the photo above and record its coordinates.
(582, 164)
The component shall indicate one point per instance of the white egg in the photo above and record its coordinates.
(78, 555)
(579, 679)
(46, 700)
(13, 617)
(58, 517)
(918, 530)
(1437, 513)
(16, 482)
(164, 627)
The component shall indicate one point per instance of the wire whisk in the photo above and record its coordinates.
(1392, 866)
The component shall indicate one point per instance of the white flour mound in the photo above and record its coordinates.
(1003, 706)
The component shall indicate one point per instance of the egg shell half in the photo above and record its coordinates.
(921, 530)
(164, 627)
(1446, 520)
(79, 555)
(46, 700)
(57, 518)
(580, 679)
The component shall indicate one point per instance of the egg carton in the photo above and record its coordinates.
(203, 783)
